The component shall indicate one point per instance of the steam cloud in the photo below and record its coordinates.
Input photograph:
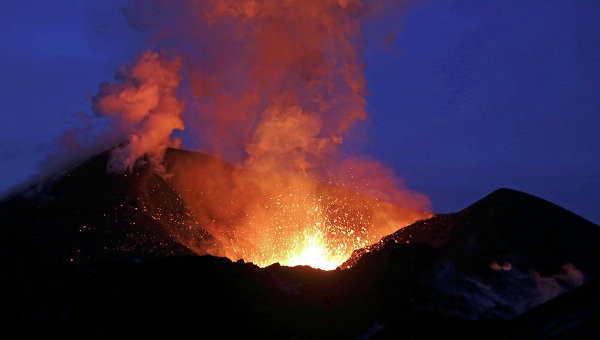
(144, 105)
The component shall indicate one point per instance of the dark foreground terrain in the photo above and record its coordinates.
(86, 255)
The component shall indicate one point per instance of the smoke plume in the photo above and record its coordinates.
(142, 103)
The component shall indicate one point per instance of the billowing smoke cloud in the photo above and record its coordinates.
(274, 81)
(143, 105)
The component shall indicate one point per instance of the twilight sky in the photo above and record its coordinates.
(472, 96)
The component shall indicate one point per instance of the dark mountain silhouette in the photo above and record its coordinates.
(88, 214)
(96, 255)
(499, 257)
(505, 226)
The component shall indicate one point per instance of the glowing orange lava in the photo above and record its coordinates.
(290, 219)
(313, 252)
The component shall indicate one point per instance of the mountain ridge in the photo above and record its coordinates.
(503, 267)
(499, 209)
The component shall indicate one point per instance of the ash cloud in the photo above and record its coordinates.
(267, 81)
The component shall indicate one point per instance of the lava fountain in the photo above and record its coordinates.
(274, 88)
(290, 218)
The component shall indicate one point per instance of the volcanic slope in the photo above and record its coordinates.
(505, 226)
(86, 214)
(492, 270)
(505, 230)
(505, 255)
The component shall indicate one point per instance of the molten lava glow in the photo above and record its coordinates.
(313, 252)
(290, 219)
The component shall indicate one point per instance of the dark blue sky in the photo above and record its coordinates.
(473, 96)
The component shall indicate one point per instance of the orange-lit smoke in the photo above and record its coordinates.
(255, 65)
(144, 106)
(273, 86)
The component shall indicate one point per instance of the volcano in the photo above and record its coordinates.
(90, 254)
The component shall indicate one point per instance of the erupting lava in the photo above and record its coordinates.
(312, 251)
(299, 233)
(291, 219)
(273, 87)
